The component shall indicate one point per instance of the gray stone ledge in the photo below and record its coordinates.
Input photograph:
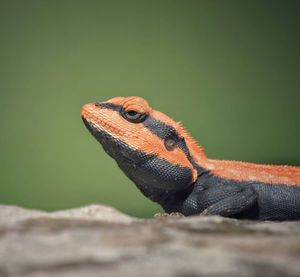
(98, 240)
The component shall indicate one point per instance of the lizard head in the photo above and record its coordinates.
(150, 147)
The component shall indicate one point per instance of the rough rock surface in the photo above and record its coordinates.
(100, 241)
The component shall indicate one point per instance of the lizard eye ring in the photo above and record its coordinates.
(133, 116)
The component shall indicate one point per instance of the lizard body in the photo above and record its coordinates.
(170, 168)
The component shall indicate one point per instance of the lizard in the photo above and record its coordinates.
(169, 166)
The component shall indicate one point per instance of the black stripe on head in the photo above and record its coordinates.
(109, 106)
(160, 129)
(164, 131)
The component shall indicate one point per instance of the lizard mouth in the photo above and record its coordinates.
(109, 144)
(88, 125)
(96, 120)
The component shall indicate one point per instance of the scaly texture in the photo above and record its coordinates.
(170, 168)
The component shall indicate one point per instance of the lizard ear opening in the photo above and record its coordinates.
(170, 144)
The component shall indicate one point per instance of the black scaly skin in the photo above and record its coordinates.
(246, 199)
(169, 185)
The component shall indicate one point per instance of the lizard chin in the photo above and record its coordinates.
(111, 145)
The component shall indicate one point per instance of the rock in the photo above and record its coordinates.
(100, 241)
(13, 214)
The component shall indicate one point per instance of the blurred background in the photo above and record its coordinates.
(229, 70)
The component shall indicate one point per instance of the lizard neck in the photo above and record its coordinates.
(173, 202)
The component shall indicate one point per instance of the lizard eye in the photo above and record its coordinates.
(133, 116)
(170, 144)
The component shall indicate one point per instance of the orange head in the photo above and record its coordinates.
(150, 147)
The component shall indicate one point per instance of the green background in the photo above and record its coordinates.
(229, 70)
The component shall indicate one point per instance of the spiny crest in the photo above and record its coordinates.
(195, 149)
